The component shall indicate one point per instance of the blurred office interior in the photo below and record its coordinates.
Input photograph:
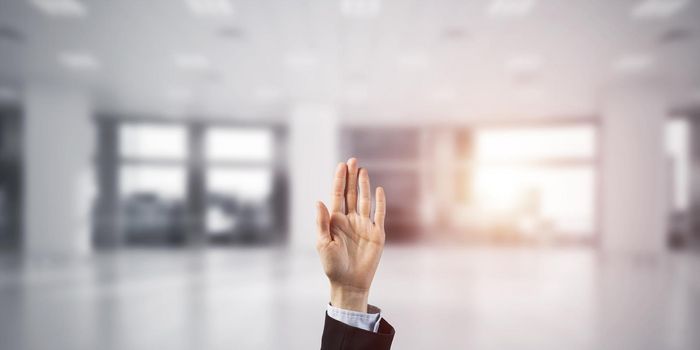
(160, 160)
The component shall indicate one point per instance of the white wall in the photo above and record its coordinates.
(58, 183)
(634, 170)
(313, 155)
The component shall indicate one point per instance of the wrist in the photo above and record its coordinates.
(349, 298)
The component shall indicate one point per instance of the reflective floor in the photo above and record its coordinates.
(437, 298)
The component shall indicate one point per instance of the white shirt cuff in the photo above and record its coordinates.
(367, 321)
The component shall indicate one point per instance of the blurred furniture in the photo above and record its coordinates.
(10, 177)
(150, 219)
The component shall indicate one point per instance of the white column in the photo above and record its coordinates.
(634, 170)
(313, 156)
(58, 184)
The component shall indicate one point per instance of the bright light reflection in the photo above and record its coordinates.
(240, 144)
(544, 176)
(562, 197)
(506, 144)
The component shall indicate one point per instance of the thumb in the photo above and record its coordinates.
(323, 220)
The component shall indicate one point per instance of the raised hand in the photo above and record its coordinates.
(349, 242)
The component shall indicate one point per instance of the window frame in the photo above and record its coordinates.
(109, 162)
(595, 161)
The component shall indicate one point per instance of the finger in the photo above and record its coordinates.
(323, 220)
(351, 187)
(380, 207)
(339, 188)
(365, 204)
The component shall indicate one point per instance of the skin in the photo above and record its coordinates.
(350, 242)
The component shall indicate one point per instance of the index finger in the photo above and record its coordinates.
(339, 188)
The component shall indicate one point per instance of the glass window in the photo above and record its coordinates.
(153, 141)
(153, 203)
(161, 193)
(238, 205)
(537, 143)
(562, 198)
(512, 184)
(246, 185)
(239, 144)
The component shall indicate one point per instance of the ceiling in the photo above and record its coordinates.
(388, 59)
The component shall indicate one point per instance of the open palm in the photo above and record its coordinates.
(350, 243)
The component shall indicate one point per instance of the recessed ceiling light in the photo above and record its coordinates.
(696, 95)
(78, 60)
(412, 60)
(510, 8)
(658, 8)
(190, 61)
(230, 33)
(267, 93)
(633, 63)
(530, 94)
(356, 92)
(210, 8)
(675, 35)
(455, 33)
(443, 94)
(10, 34)
(524, 63)
(300, 60)
(8, 94)
(60, 8)
(179, 94)
(360, 8)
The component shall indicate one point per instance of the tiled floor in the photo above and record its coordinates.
(437, 298)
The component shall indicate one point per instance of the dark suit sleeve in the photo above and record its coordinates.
(339, 336)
